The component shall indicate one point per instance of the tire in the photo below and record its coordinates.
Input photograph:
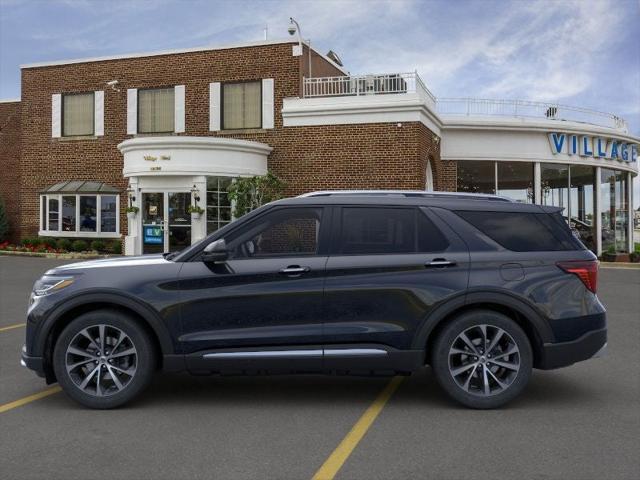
(461, 370)
(97, 377)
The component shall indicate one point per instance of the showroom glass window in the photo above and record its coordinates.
(79, 214)
(218, 203)
(554, 182)
(614, 210)
(582, 204)
(241, 105)
(515, 181)
(77, 114)
(477, 176)
(156, 110)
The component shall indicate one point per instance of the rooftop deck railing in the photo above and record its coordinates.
(402, 83)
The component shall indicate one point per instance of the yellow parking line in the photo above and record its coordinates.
(31, 398)
(11, 327)
(334, 463)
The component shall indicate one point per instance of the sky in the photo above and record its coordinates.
(584, 53)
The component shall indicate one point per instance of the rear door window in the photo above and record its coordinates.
(523, 231)
(380, 230)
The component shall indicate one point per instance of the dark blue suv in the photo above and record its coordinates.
(480, 288)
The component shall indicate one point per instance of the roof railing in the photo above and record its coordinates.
(406, 194)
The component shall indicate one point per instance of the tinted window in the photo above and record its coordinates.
(291, 231)
(388, 230)
(522, 232)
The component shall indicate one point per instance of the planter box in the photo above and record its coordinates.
(196, 216)
(616, 257)
(131, 216)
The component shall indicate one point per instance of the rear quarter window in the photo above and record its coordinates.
(524, 231)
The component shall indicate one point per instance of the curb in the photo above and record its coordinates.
(627, 266)
(60, 256)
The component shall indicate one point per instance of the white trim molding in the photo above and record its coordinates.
(132, 111)
(56, 115)
(267, 103)
(98, 112)
(214, 107)
(179, 101)
(182, 155)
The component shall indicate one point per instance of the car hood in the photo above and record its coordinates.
(110, 263)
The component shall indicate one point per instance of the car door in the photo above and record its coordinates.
(388, 268)
(262, 307)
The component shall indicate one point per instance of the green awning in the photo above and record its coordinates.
(81, 186)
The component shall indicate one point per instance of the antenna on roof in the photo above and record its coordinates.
(266, 32)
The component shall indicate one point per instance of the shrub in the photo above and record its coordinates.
(28, 241)
(79, 246)
(46, 242)
(116, 247)
(98, 245)
(64, 244)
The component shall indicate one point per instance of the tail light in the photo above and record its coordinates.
(585, 270)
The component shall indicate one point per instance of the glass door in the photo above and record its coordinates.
(179, 221)
(153, 222)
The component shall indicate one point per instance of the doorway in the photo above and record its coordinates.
(166, 224)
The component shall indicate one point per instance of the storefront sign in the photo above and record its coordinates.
(152, 235)
(597, 147)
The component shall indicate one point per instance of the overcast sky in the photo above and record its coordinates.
(580, 52)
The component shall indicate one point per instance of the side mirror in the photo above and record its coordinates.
(215, 252)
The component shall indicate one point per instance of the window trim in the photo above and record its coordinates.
(77, 233)
(93, 116)
(222, 86)
(163, 132)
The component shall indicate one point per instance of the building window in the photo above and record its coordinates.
(241, 105)
(80, 215)
(477, 176)
(515, 181)
(78, 114)
(614, 210)
(218, 203)
(156, 110)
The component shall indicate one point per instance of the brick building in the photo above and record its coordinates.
(163, 130)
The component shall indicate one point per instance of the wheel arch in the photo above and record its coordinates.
(72, 308)
(527, 317)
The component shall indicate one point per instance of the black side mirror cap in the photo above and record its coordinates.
(215, 252)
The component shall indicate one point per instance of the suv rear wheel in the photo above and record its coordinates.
(103, 359)
(482, 359)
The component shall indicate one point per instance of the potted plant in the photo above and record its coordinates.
(195, 211)
(131, 212)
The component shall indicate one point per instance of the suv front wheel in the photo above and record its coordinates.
(103, 359)
(482, 359)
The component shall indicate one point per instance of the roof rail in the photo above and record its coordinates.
(407, 194)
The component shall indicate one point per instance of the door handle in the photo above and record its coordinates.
(439, 262)
(294, 270)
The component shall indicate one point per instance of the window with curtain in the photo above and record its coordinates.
(156, 110)
(241, 105)
(77, 114)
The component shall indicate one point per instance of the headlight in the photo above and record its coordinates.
(47, 285)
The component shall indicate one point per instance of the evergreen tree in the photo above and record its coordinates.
(4, 222)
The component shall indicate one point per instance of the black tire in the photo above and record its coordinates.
(474, 396)
(144, 360)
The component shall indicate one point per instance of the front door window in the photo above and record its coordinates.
(166, 225)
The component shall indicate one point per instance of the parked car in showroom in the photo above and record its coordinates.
(480, 288)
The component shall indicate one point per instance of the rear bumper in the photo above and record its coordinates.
(32, 363)
(556, 355)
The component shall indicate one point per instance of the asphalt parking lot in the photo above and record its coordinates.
(582, 422)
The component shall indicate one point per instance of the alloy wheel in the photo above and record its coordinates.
(101, 360)
(484, 360)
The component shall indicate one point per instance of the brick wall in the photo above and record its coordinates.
(10, 161)
(307, 158)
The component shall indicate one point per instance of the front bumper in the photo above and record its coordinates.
(562, 354)
(33, 363)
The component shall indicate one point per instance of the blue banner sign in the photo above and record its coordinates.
(597, 147)
(153, 235)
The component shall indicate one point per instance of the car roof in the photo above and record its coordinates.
(447, 200)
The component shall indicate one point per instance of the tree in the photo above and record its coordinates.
(4, 222)
(249, 193)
